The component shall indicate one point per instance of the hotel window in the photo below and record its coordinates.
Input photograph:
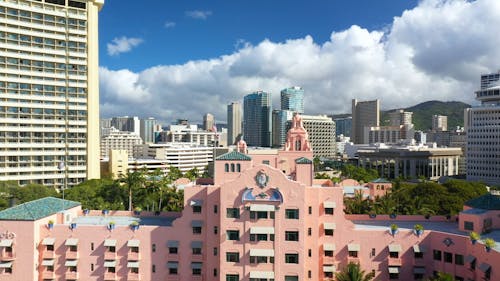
(216, 209)
(226, 167)
(328, 232)
(468, 225)
(309, 231)
(292, 214)
(291, 258)
(196, 226)
(436, 254)
(258, 215)
(196, 247)
(448, 257)
(393, 272)
(153, 248)
(153, 268)
(173, 267)
(310, 210)
(328, 211)
(459, 259)
(232, 277)
(261, 237)
(233, 235)
(291, 236)
(291, 278)
(233, 213)
(216, 229)
(216, 251)
(172, 250)
(232, 257)
(261, 259)
(196, 268)
(197, 209)
(328, 253)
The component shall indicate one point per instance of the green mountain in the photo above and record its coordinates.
(422, 113)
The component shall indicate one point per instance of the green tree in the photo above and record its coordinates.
(353, 272)
(441, 276)
(192, 174)
(174, 173)
(32, 192)
(133, 181)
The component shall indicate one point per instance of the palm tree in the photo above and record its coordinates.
(133, 181)
(353, 272)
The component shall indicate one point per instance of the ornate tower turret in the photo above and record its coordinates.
(297, 138)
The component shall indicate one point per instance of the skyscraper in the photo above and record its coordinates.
(208, 122)
(292, 99)
(148, 127)
(482, 130)
(233, 122)
(364, 114)
(257, 119)
(280, 118)
(50, 84)
(439, 123)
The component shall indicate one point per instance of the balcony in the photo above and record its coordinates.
(7, 256)
(395, 262)
(133, 276)
(71, 275)
(48, 275)
(71, 255)
(353, 260)
(109, 276)
(109, 255)
(48, 255)
(133, 256)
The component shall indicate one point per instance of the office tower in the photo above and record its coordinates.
(233, 122)
(439, 123)
(321, 129)
(104, 125)
(292, 99)
(280, 118)
(364, 114)
(400, 117)
(343, 126)
(483, 130)
(126, 123)
(257, 119)
(490, 80)
(147, 129)
(208, 122)
(50, 88)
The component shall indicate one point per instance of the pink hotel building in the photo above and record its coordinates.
(264, 218)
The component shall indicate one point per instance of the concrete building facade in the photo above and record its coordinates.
(118, 140)
(50, 84)
(257, 120)
(364, 114)
(263, 218)
(439, 123)
(321, 130)
(234, 121)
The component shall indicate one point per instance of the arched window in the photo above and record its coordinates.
(238, 168)
(297, 145)
(232, 167)
(226, 167)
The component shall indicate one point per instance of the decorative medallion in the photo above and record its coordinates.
(262, 179)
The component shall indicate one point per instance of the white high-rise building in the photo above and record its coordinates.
(147, 128)
(439, 123)
(119, 140)
(233, 122)
(483, 133)
(321, 130)
(50, 91)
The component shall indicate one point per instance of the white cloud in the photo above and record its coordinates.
(122, 45)
(169, 24)
(435, 51)
(197, 14)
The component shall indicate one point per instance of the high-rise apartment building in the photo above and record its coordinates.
(483, 133)
(364, 114)
(321, 130)
(208, 122)
(50, 91)
(280, 118)
(439, 123)
(147, 129)
(257, 119)
(126, 123)
(233, 122)
(293, 99)
(115, 139)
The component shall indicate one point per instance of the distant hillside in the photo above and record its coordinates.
(422, 113)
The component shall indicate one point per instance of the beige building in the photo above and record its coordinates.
(50, 89)
(321, 129)
(364, 114)
(234, 119)
(118, 140)
(439, 123)
(389, 134)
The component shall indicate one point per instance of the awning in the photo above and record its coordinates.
(262, 274)
(261, 230)
(172, 264)
(393, 269)
(133, 243)
(394, 248)
(48, 241)
(109, 263)
(109, 243)
(418, 249)
(262, 208)
(71, 242)
(329, 204)
(196, 244)
(172, 243)
(48, 262)
(419, 270)
(133, 264)
(196, 265)
(196, 223)
(329, 225)
(196, 203)
(484, 267)
(71, 263)
(328, 268)
(470, 258)
(353, 247)
(328, 247)
(6, 264)
(6, 243)
(262, 252)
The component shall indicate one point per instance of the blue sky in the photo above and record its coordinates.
(181, 59)
(174, 32)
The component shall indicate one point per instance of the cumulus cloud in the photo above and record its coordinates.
(122, 45)
(197, 14)
(435, 51)
(169, 24)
